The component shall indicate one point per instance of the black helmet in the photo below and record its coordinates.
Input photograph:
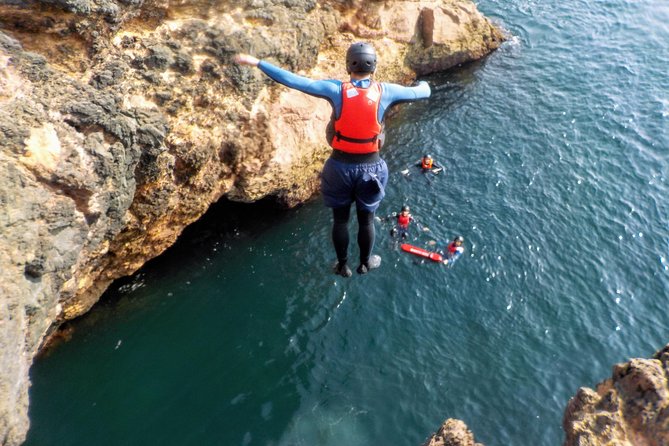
(360, 58)
(428, 156)
(459, 238)
(405, 208)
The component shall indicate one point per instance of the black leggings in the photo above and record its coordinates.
(340, 233)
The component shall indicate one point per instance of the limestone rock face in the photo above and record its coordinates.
(452, 433)
(67, 174)
(121, 121)
(630, 409)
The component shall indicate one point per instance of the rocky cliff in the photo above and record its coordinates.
(121, 121)
(629, 409)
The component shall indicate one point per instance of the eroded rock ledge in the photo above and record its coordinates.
(121, 121)
(452, 433)
(629, 409)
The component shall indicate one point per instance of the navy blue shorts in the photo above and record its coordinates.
(344, 183)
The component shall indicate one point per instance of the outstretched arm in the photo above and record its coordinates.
(420, 226)
(387, 217)
(395, 94)
(327, 89)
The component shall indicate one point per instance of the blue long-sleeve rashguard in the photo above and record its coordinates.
(330, 89)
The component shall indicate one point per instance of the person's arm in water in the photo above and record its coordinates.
(420, 226)
(326, 89)
(452, 257)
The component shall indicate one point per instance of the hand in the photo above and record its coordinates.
(245, 59)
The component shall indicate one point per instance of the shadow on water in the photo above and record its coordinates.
(145, 342)
(225, 221)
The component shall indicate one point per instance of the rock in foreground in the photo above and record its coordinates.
(629, 409)
(452, 433)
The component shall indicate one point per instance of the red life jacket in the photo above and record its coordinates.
(427, 163)
(357, 129)
(452, 248)
(403, 220)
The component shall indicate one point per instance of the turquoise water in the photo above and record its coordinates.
(557, 161)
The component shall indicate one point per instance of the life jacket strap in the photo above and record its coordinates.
(341, 137)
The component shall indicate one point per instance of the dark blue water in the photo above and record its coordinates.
(557, 157)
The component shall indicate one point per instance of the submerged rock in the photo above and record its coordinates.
(121, 121)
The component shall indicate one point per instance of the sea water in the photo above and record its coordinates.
(556, 155)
